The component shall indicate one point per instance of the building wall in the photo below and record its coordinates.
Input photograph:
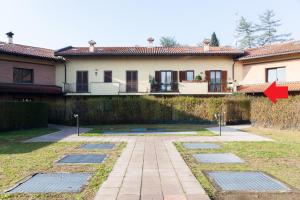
(44, 73)
(256, 72)
(146, 67)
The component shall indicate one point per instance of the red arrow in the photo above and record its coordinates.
(274, 92)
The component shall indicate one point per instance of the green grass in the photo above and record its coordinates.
(19, 160)
(99, 130)
(280, 158)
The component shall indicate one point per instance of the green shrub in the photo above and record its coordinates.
(143, 109)
(285, 114)
(23, 115)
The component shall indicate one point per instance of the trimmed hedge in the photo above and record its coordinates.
(23, 115)
(285, 114)
(146, 109)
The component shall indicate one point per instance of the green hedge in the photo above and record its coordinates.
(146, 109)
(285, 114)
(23, 115)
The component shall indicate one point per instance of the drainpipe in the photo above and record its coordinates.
(233, 78)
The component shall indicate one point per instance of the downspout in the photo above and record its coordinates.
(233, 78)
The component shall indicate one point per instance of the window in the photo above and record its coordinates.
(107, 76)
(275, 74)
(189, 75)
(186, 75)
(166, 80)
(215, 81)
(21, 75)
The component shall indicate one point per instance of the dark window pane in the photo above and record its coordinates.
(21, 75)
(107, 76)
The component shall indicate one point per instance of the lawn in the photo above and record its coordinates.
(280, 158)
(19, 160)
(120, 128)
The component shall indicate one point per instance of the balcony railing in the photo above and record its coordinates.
(94, 88)
(162, 87)
(219, 87)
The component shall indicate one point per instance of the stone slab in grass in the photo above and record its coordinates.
(97, 146)
(52, 182)
(246, 181)
(217, 158)
(201, 146)
(82, 159)
(146, 129)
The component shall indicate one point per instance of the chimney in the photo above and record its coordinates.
(206, 45)
(150, 41)
(92, 46)
(10, 37)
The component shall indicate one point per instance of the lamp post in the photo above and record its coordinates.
(76, 116)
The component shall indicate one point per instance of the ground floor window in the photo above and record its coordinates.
(275, 74)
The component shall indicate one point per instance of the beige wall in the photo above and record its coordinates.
(145, 67)
(255, 73)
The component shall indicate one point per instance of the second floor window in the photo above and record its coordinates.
(186, 75)
(22, 75)
(107, 76)
(275, 74)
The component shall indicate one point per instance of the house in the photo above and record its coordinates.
(27, 73)
(264, 65)
(31, 73)
(146, 70)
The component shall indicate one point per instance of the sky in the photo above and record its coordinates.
(59, 23)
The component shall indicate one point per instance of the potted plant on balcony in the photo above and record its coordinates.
(198, 78)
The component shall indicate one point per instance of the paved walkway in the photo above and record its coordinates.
(150, 167)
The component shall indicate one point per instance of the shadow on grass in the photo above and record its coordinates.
(11, 142)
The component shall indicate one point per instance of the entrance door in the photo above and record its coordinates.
(215, 84)
(131, 81)
(82, 81)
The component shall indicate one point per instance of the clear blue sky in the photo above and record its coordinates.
(58, 23)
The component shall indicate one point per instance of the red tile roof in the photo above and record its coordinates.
(272, 50)
(147, 51)
(23, 50)
(259, 88)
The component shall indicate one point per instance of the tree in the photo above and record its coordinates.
(214, 41)
(168, 42)
(246, 34)
(268, 28)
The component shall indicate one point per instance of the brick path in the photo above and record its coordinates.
(150, 167)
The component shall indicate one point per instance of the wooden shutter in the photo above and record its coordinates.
(207, 76)
(174, 76)
(224, 81)
(174, 85)
(182, 76)
(157, 77)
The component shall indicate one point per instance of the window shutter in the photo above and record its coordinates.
(181, 76)
(174, 76)
(207, 76)
(157, 76)
(224, 81)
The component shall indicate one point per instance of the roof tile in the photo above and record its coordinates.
(23, 50)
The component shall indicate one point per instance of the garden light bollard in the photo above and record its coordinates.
(77, 122)
(218, 117)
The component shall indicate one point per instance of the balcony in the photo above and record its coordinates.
(93, 88)
(164, 88)
(144, 88)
